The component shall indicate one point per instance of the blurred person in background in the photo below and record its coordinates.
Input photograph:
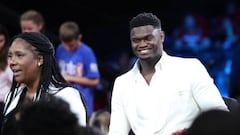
(33, 21)
(77, 62)
(5, 71)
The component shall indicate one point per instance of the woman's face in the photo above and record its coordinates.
(23, 61)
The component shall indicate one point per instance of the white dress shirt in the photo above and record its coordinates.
(179, 90)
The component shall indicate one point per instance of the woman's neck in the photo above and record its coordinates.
(32, 87)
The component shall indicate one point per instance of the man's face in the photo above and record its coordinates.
(147, 42)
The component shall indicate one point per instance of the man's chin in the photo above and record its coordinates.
(144, 58)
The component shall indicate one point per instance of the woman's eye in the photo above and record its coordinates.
(9, 56)
(20, 55)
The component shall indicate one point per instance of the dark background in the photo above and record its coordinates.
(105, 24)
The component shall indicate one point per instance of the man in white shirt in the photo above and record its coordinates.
(161, 94)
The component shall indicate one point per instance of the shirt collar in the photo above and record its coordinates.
(159, 65)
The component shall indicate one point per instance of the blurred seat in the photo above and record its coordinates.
(232, 104)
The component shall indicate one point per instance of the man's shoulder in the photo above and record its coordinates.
(180, 64)
(184, 60)
(127, 75)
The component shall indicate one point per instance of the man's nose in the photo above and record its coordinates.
(143, 42)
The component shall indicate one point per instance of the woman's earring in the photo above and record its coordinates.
(39, 64)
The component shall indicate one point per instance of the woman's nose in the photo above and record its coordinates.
(11, 61)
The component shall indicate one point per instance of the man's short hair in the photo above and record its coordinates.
(143, 19)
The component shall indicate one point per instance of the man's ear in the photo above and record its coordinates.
(162, 36)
